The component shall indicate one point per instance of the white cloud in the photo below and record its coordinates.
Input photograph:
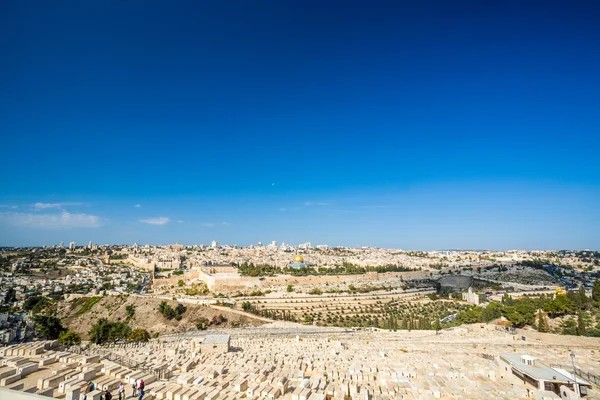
(180, 221)
(138, 206)
(44, 206)
(215, 223)
(156, 221)
(53, 221)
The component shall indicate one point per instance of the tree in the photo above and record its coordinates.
(514, 316)
(583, 299)
(596, 291)
(290, 288)
(10, 296)
(105, 331)
(48, 326)
(35, 304)
(180, 309)
(507, 300)
(130, 311)
(569, 326)
(542, 325)
(202, 324)
(246, 306)
(584, 321)
(491, 312)
(139, 335)
(69, 338)
(181, 283)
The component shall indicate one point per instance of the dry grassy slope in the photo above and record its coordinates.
(146, 315)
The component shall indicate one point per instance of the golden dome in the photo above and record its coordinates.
(298, 258)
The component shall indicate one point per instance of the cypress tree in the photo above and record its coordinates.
(542, 325)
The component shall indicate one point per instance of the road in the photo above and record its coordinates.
(144, 284)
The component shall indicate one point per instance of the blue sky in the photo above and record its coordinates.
(429, 125)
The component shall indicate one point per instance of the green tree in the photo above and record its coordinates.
(48, 326)
(584, 321)
(35, 304)
(569, 326)
(491, 312)
(514, 316)
(583, 299)
(560, 305)
(596, 291)
(202, 324)
(104, 331)
(542, 324)
(180, 309)
(10, 296)
(507, 300)
(290, 288)
(69, 338)
(246, 306)
(181, 283)
(139, 335)
(130, 311)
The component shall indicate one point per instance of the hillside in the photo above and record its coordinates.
(79, 315)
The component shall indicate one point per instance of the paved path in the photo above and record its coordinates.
(240, 312)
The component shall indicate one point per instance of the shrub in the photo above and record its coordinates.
(130, 311)
(169, 313)
(202, 324)
(105, 331)
(139, 335)
(69, 338)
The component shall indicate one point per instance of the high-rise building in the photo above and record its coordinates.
(214, 244)
(61, 245)
(72, 245)
(89, 246)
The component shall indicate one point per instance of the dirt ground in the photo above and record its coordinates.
(146, 315)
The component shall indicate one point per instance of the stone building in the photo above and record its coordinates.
(471, 297)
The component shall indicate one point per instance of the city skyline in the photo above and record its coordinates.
(416, 126)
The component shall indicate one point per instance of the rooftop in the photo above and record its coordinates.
(538, 370)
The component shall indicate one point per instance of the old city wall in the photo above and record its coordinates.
(311, 280)
(175, 279)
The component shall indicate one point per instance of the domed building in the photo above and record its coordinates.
(298, 262)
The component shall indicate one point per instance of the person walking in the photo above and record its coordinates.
(141, 389)
(88, 388)
(134, 388)
(107, 395)
(121, 391)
